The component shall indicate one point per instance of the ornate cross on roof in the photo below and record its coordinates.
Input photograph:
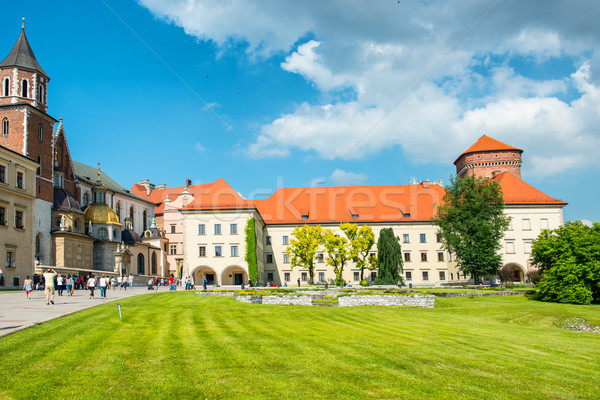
(24, 22)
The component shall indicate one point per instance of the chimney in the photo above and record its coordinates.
(188, 182)
(425, 184)
(146, 183)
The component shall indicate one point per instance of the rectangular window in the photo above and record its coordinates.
(234, 251)
(356, 276)
(406, 257)
(510, 247)
(510, 224)
(405, 238)
(269, 276)
(286, 240)
(2, 174)
(269, 258)
(304, 277)
(2, 216)
(373, 275)
(526, 224)
(202, 251)
(321, 276)
(458, 275)
(20, 183)
(286, 258)
(268, 240)
(438, 237)
(286, 276)
(527, 246)
(10, 259)
(422, 238)
(423, 256)
(451, 276)
(201, 229)
(19, 219)
(320, 258)
(408, 275)
(425, 275)
(440, 256)
(544, 223)
(218, 251)
(233, 229)
(442, 275)
(217, 229)
(173, 249)
(172, 228)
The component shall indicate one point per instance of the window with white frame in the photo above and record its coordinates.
(405, 238)
(269, 258)
(218, 251)
(408, 275)
(423, 256)
(442, 275)
(173, 249)
(201, 251)
(510, 246)
(19, 219)
(425, 275)
(286, 240)
(526, 224)
(201, 229)
(422, 238)
(356, 276)
(20, 180)
(321, 276)
(233, 229)
(286, 276)
(286, 258)
(304, 277)
(5, 126)
(234, 251)
(10, 259)
(527, 246)
(2, 174)
(217, 229)
(2, 216)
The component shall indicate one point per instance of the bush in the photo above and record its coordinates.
(569, 282)
(534, 276)
(363, 282)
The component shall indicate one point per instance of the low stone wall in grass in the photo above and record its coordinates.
(465, 294)
(281, 300)
(427, 301)
(216, 293)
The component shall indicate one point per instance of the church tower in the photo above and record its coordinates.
(488, 157)
(26, 127)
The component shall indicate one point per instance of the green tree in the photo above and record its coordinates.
(338, 253)
(569, 262)
(389, 258)
(251, 250)
(361, 242)
(471, 222)
(303, 248)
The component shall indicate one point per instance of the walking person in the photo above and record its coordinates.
(49, 276)
(204, 283)
(91, 285)
(113, 283)
(102, 285)
(28, 287)
(130, 282)
(59, 284)
(69, 285)
(120, 282)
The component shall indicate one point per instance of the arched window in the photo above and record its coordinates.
(24, 88)
(153, 263)
(86, 199)
(131, 215)
(39, 169)
(102, 233)
(140, 268)
(144, 216)
(118, 210)
(38, 246)
(6, 86)
(5, 126)
(40, 132)
(41, 93)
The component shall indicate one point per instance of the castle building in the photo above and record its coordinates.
(210, 222)
(74, 220)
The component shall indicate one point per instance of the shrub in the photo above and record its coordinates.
(363, 282)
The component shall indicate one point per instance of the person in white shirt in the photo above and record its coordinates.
(91, 285)
(120, 282)
(130, 282)
(113, 282)
(60, 283)
(103, 285)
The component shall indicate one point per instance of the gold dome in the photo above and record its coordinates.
(101, 214)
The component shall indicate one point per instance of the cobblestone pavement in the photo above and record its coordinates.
(17, 312)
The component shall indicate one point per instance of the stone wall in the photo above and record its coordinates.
(219, 294)
(464, 294)
(288, 300)
(427, 301)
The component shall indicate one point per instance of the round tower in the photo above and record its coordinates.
(488, 157)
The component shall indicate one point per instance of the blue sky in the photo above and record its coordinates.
(271, 93)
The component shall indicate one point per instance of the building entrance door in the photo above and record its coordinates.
(237, 279)
(210, 278)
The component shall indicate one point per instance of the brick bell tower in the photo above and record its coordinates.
(488, 157)
(25, 126)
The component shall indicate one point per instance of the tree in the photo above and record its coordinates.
(471, 223)
(569, 262)
(389, 258)
(361, 242)
(251, 250)
(303, 247)
(338, 253)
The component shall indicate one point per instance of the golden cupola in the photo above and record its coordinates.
(99, 212)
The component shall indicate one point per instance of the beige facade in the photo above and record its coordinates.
(17, 216)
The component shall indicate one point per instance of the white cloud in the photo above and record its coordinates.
(344, 178)
(414, 88)
(199, 148)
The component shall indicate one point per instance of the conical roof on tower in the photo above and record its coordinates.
(22, 56)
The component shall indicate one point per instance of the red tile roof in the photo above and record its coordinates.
(517, 192)
(486, 143)
(158, 196)
(218, 195)
(360, 204)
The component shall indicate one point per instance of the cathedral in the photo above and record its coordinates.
(54, 211)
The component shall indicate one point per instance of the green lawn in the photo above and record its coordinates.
(180, 345)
